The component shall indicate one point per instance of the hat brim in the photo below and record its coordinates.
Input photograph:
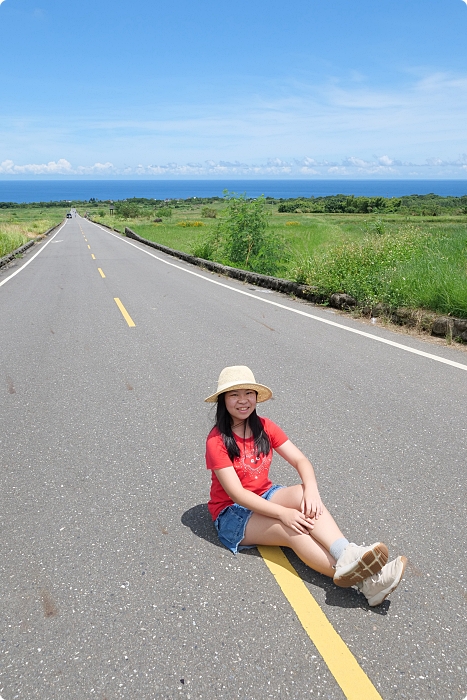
(263, 392)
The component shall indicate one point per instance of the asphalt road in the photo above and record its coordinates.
(113, 584)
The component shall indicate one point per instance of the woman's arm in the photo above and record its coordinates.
(312, 505)
(290, 517)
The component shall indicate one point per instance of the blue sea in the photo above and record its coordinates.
(83, 190)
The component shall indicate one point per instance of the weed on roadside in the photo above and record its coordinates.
(410, 267)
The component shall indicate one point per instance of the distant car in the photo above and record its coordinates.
(68, 216)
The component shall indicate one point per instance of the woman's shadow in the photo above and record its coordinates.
(200, 523)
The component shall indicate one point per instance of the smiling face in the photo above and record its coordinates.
(240, 403)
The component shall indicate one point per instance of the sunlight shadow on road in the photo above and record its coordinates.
(335, 597)
(200, 523)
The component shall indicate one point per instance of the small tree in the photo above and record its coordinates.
(126, 210)
(242, 237)
(247, 240)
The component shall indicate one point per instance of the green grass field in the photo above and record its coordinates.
(397, 260)
(305, 233)
(21, 224)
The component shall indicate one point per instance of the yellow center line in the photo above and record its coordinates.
(93, 256)
(343, 665)
(125, 313)
(101, 273)
(89, 247)
(85, 239)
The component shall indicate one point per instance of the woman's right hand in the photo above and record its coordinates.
(297, 521)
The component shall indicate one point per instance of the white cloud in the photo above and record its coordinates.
(355, 162)
(60, 167)
(274, 167)
(96, 169)
(385, 160)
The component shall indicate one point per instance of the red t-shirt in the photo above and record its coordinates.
(252, 471)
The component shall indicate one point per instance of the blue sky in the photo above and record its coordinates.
(304, 89)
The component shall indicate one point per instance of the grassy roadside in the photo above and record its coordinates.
(418, 266)
(394, 260)
(21, 224)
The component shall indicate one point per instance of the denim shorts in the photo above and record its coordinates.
(231, 522)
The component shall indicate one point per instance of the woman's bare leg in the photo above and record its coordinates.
(312, 549)
(263, 530)
(325, 531)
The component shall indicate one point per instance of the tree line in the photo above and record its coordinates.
(418, 204)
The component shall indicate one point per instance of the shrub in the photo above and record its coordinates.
(208, 213)
(209, 247)
(288, 207)
(378, 227)
(164, 211)
(375, 227)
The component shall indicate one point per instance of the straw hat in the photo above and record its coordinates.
(239, 377)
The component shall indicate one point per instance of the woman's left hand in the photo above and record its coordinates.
(311, 504)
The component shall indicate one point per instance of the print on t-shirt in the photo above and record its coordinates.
(250, 463)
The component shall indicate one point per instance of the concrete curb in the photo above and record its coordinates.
(11, 256)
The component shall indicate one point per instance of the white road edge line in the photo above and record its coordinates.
(31, 259)
(406, 348)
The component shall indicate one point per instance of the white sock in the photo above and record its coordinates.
(338, 547)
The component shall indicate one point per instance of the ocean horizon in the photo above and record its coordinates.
(26, 191)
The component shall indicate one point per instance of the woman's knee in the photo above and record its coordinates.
(268, 531)
(289, 496)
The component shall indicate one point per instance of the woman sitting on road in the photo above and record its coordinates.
(248, 510)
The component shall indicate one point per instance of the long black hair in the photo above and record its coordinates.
(224, 426)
